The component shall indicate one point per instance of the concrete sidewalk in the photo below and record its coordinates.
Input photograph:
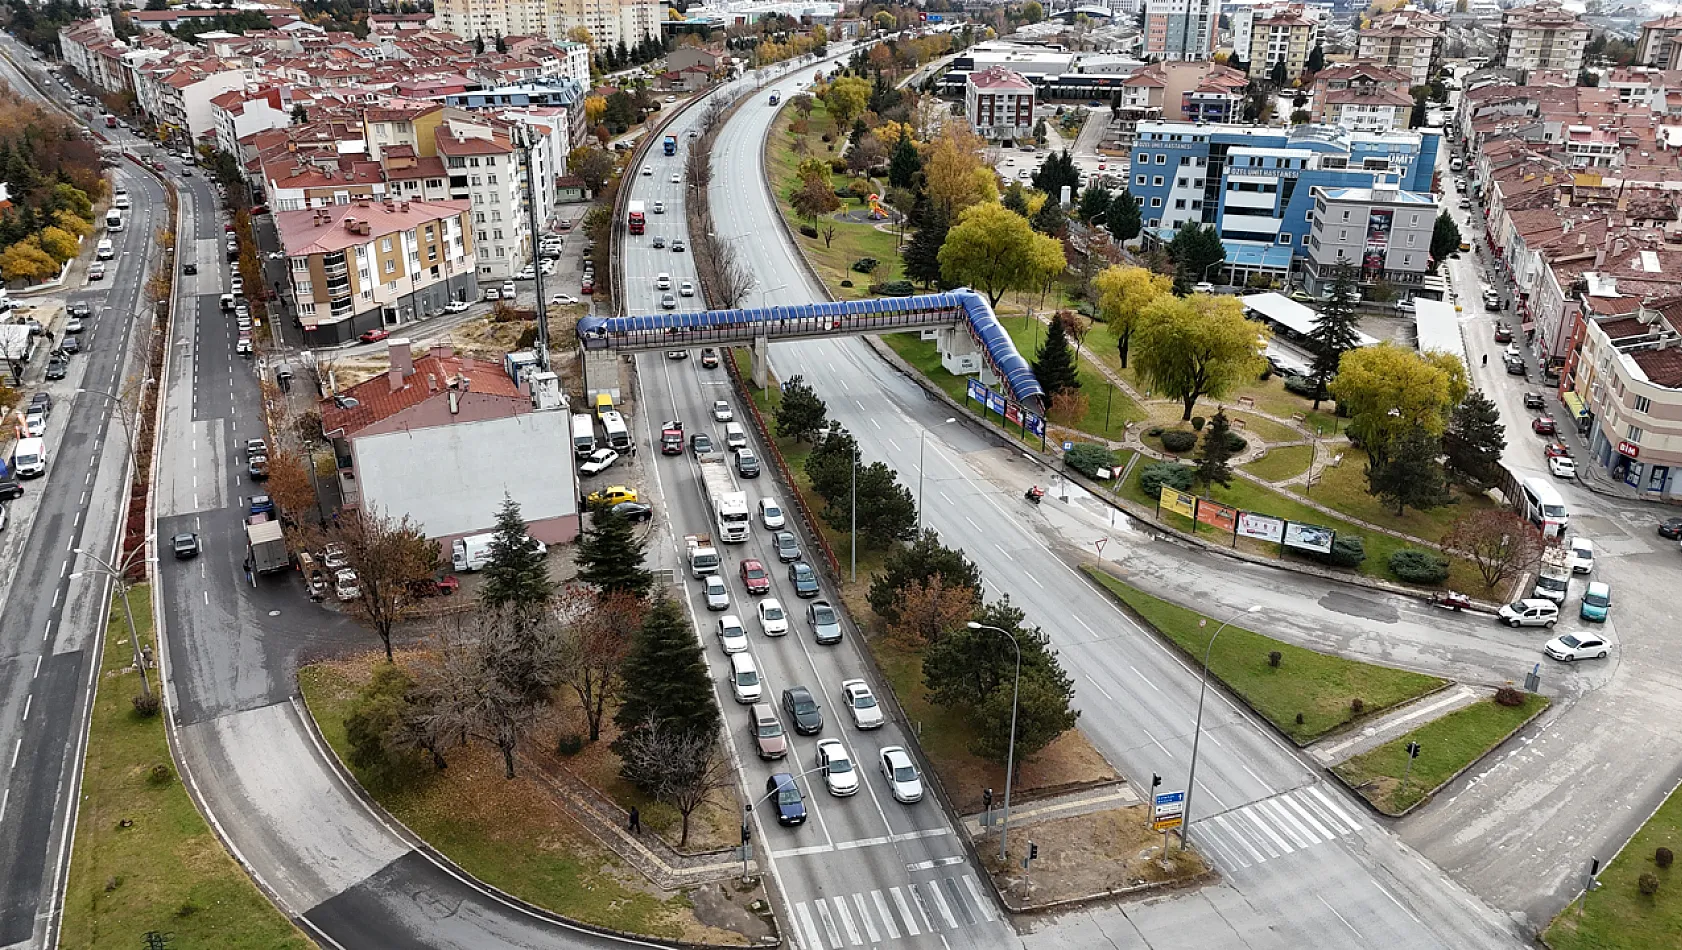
(1396, 723)
(1102, 798)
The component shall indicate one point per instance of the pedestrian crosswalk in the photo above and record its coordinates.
(869, 918)
(1274, 827)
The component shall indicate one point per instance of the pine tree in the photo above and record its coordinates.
(1094, 204)
(664, 679)
(478, 46)
(1016, 198)
(502, 44)
(1474, 441)
(802, 411)
(1334, 332)
(1123, 218)
(1215, 453)
(1410, 476)
(922, 252)
(610, 557)
(1316, 60)
(515, 575)
(904, 163)
(1445, 238)
(1050, 219)
(1054, 365)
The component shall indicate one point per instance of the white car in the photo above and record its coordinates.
(1577, 646)
(491, 293)
(456, 306)
(35, 424)
(722, 412)
(686, 289)
(718, 596)
(839, 776)
(1582, 555)
(1561, 466)
(559, 299)
(861, 703)
(745, 683)
(600, 460)
(902, 776)
(732, 636)
(773, 619)
(526, 273)
(770, 513)
(677, 179)
(1532, 612)
(647, 170)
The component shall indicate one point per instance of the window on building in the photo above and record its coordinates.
(474, 181)
(498, 234)
(300, 263)
(490, 179)
(1140, 180)
(1284, 239)
(1162, 158)
(496, 216)
(1157, 181)
(385, 245)
(1643, 404)
(1635, 434)
(1156, 202)
(478, 217)
(482, 235)
(390, 266)
(1179, 204)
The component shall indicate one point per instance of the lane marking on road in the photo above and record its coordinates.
(56, 595)
(28, 701)
(1339, 916)
(822, 907)
(846, 920)
(1220, 821)
(870, 931)
(1393, 900)
(887, 917)
(38, 659)
(4, 798)
(1087, 627)
(1336, 809)
(1288, 823)
(894, 444)
(936, 863)
(1007, 554)
(1034, 579)
(812, 940)
(16, 751)
(905, 911)
(940, 904)
(981, 902)
(1308, 816)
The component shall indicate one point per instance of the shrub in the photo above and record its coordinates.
(1088, 457)
(893, 288)
(1266, 373)
(1179, 440)
(1663, 857)
(1158, 474)
(160, 774)
(1299, 719)
(1507, 696)
(1197, 423)
(809, 230)
(1301, 385)
(569, 744)
(846, 283)
(839, 167)
(1357, 706)
(1419, 567)
(1154, 431)
(1274, 658)
(865, 265)
(146, 705)
(1648, 883)
(1235, 442)
(828, 137)
(1347, 551)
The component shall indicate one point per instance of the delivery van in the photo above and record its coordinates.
(583, 435)
(105, 250)
(473, 552)
(29, 458)
(618, 434)
(604, 404)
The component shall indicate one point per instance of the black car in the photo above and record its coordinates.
(802, 710)
(1533, 401)
(58, 366)
(185, 545)
(787, 546)
(782, 790)
(709, 357)
(189, 268)
(1515, 367)
(747, 464)
(1670, 528)
(700, 443)
(70, 345)
(42, 401)
(804, 579)
(9, 487)
(634, 511)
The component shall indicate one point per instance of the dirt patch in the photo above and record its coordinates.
(1087, 855)
(731, 913)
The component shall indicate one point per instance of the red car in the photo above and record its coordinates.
(1556, 450)
(1502, 334)
(755, 578)
(374, 336)
(587, 286)
(1542, 425)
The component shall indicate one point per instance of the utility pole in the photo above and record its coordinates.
(525, 138)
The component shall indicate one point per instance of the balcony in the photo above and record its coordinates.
(337, 271)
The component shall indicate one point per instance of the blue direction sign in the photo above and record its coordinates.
(1171, 798)
(1169, 811)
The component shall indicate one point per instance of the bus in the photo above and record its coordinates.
(1540, 502)
(114, 220)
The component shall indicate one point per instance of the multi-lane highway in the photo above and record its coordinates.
(1268, 819)
(51, 618)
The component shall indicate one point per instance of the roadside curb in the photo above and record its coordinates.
(1431, 793)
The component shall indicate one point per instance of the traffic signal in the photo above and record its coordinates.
(1033, 851)
(987, 800)
(1156, 780)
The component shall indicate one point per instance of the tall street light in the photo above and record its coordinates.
(119, 577)
(1010, 753)
(922, 441)
(1197, 730)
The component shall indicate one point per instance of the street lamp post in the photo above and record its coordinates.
(119, 577)
(1197, 730)
(922, 441)
(1010, 753)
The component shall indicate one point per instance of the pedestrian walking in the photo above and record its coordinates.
(636, 821)
(1486, 359)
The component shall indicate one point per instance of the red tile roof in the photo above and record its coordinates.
(376, 401)
(323, 230)
(1662, 367)
(1625, 328)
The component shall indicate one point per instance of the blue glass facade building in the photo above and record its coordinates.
(1255, 184)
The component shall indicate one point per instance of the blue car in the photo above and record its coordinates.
(782, 792)
(262, 505)
(1597, 602)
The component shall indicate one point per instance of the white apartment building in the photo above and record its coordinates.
(238, 113)
(1543, 35)
(179, 99)
(999, 104)
(609, 21)
(492, 18)
(1181, 29)
(484, 167)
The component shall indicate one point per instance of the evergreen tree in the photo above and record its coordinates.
(1445, 238)
(515, 575)
(1316, 60)
(1277, 75)
(502, 44)
(610, 556)
(300, 115)
(1195, 250)
(1015, 198)
(1054, 364)
(478, 46)
(1474, 440)
(904, 163)
(829, 467)
(1050, 219)
(920, 562)
(623, 54)
(1123, 218)
(1215, 453)
(1094, 204)
(1335, 332)
(922, 252)
(1410, 475)
(664, 678)
(1057, 171)
(802, 411)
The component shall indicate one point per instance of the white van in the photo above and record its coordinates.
(735, 436)
(1541, 503)
(583, 435)
(618, 434)
(105, 250)
(120, 202)
(29, 458)
(473, 552)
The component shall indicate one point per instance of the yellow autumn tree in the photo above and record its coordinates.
(955, 174)
(26, 261)
(59, 244)
(78, 226)
(594, 108)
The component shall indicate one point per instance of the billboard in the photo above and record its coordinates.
(1261, 527)
(1309, 537)
(1215, 514)
(1379, 221)
(1179, 502)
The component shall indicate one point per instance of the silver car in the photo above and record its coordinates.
(826, 623)
(902, 776)
(718, 595)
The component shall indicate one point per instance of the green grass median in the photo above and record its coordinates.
(145, 861)
(1447, 745)
(1318, 687)
(1616, 915)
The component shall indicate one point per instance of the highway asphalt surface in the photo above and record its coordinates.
(1265, 816)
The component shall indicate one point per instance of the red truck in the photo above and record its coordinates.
(671, 438)
(110, 121)
(637, 217)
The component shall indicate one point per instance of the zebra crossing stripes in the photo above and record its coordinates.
(1274, 827)
(893, 913)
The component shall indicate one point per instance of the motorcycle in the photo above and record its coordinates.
(1034, 494)
(1451, 600)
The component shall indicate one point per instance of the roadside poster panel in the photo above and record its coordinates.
(1179, 502)
(1217, 515)
(1309, 537)
(1261, 527)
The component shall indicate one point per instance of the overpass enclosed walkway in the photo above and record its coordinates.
(963, 308)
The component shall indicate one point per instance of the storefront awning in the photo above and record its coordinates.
(1574, 403)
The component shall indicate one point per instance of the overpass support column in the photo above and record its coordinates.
(761, 362)
(960, 355)
(601, 375)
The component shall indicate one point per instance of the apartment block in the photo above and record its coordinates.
(1284, 34)
(1660, 45)
(1362, 98)
(999, 104)
(1628, 395)
(1376, 234)
(1543, 35)
(1181, 29)
(1405, 40)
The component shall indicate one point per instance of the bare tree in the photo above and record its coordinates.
(14, 352)
(1500, 542)
(713, 113)
(595, 637)
(731, 279)
(680, 767)
(698, 168)
(928, 610)
(471, 682)
(391, 557)
(828, 233)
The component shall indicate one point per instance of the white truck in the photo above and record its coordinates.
(729, 504)
(703, 557)
(266, 545)
(1554, 579)
(473, 552)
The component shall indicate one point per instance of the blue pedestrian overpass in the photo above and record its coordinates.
(979, 332)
